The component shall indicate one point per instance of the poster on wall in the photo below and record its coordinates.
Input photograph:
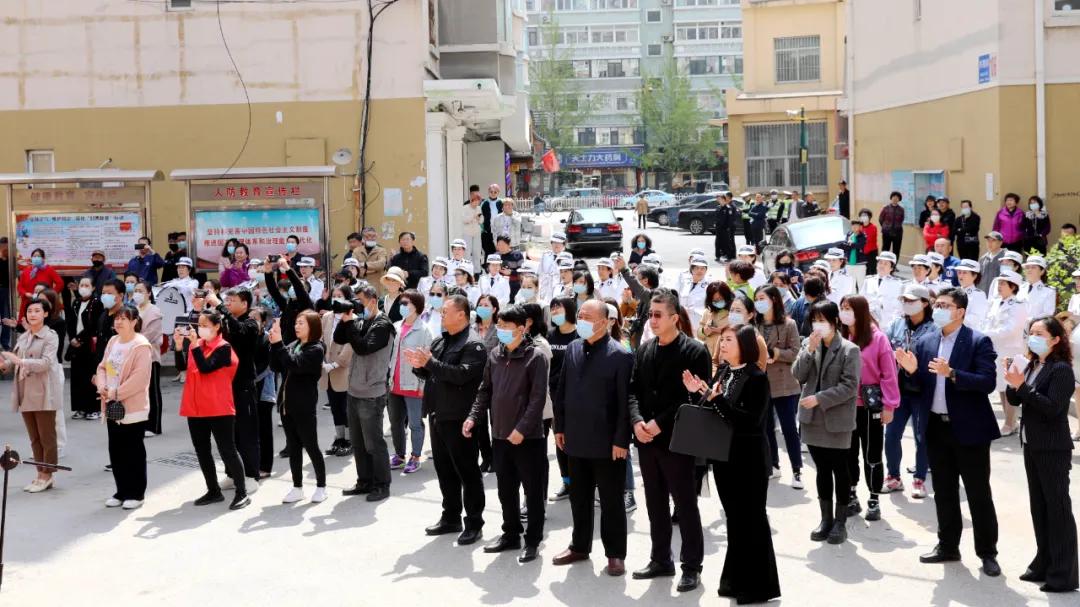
(69, 238)
(916, 186)
(264, 231)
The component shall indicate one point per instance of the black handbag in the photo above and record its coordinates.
(872, 397)
(114, 410)
(701, 432)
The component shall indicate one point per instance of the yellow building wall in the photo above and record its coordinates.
(764, 22)
(209, 136)
(737, 151)
(1062, 163)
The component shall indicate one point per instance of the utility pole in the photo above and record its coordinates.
(804, 147)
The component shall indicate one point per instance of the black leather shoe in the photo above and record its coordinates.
(990, 567)
(240, 500)
(1051, 588)
(378, 494)
(469, 536)
(503, 542)
(940, 555)
(528, 554)
(357, 489)
(654, 570)
(210, 498)
(442, 528)
(1031, 576)
(689, 581)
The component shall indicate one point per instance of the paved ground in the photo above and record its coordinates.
(63, 545)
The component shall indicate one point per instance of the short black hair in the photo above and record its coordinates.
(474, 188)
(367, 291)
(503, 238)
(292, 237)
(666, 297)
(746, 336)
(406, 233)
(460, 302)
(568, 305)
(147, 239)
(115, 283)
(650, 276)
(827, 311)
(1015, 197)
(1068, 226)
(416, 298)
(896, 195)
(242, 294)
(131, 313)
(814, 287)
(957, 296)
(44, 303)
(354, 236)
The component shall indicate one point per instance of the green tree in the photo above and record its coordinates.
(555, 95)
(677, 135)
(1061, 260)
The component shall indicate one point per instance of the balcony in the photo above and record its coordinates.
(590, 51)
(712, 47)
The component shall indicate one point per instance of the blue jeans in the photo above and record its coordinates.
(629, 471)
(786, 408)
(894, 432)
(402, 410)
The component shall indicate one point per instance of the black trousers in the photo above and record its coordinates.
(968, 251)
(832, 474)
(338, 407)
(1052, 517)
(724, 244)
(456, 466)
(664, 474)
(587, 477)
(516, 467)
(221, 427)
(246, 429)
(641, 221)
(153, 424)
(867, 441)
(487, 242)
(84, 396)
(952, 462)
(892, 241)
(871, 263)
(127, 454)
(756, 234)
(266, 435)
(301, 435)
(482, 434)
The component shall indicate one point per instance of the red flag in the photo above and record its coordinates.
(550, 161)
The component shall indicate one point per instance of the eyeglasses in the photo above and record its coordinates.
(658, 315)
(942, 305)
(435, 294)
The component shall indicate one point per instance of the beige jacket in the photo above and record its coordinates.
(39, 378)
(133, 390)
(377, 260)
(151, 329)
(342, 354)
(642, 206)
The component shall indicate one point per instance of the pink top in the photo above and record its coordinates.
(879, 367)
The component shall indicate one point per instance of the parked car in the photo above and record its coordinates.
(703, 218)
(809, 239)
(669, 215)
(654, 197)
(593, 229)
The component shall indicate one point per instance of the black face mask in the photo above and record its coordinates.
(174, 247)
(97, 263)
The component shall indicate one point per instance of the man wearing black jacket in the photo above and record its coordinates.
(452, 371)
(489, 208)
(514, 390)
(592, 425)
(656, 393)
(726, 216)
(641, 287)
(242, 333)
(297, 301)
(410, 259)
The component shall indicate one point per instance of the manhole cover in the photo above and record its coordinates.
(185, 459)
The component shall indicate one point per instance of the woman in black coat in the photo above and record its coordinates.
(740, 394)
(300, 364)
(82, 318)
(1042, 391)
(966, 232)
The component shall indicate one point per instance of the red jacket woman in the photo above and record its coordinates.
(38, 273)
(932, 231)
(208, 388)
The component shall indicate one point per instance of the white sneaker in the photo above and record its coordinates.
(319, 495)
(294, 495)
(796, 480)
(112, 502)
(132, 504)
(227, 484)
(149, 434)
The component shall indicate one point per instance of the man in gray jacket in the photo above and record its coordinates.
(372, 341)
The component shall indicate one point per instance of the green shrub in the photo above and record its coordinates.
(1062, 259)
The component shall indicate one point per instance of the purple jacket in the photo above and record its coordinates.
(879, 367)
(233, 276)
(1011, 225)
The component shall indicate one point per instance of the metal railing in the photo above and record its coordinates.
(559, 204)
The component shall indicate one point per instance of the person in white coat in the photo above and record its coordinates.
(463, 279)
(184, 282)
(967, 273)
(1041, 299)
(549, 267)
(1010, 260)
(458, 257)
(439, 269)
(684, 277)
(493, 283)
(841, 284)
(1005, 324)
(307, 273)
(610, 285)
(692, 295)
(472, 220)
(565, 286)
(936, 281)
(883, 290)
(748, 254)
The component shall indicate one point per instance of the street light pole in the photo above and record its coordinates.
(804, 151)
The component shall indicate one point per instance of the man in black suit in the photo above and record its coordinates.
(956, 369)
(726, 216)
(489, 207)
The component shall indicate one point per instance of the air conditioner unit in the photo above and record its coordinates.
(545, 19)
(665, 2)
(667, 38)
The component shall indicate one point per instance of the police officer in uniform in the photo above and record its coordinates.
(883, 290)
(967, 274)
(549, 267)
(841, 283)
(726, 216)
(458, 249)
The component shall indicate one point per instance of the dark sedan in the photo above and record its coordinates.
(669, 216)
(703, 218)
(593, 229)
(808, 239)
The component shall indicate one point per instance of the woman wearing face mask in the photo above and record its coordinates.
(903, 333)
(237, 272)
(207, 403)
(1009, 221)
(300, 363)
(787, 294)
(81, 320)
(966, 229)
(226, 259)
(879, 396)
(640, 247)
(432, 316)
(1036, 225)
(781, 346)
(297, 301)
(718, 297)
(486, 319)
(335, 378)
(1043, 389)
(406, 390)
(37, 273)
(584, 288)
(828, 368)
(528, 293)
(742, 312)
(1004, 326)
(935, 228)
(785, 262)
(563, 317)
(150, 322)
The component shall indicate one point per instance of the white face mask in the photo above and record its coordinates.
(138, 298)
(206, 333)
(1034, 206)
(911, 308)
(823, 329)
(847, 317)
(86, 291)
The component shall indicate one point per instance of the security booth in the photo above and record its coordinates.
(70, 215)
(260, 207)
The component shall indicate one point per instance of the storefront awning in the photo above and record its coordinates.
(87, 176)
(253, 173)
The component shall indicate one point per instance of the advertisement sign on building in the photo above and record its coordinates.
(69, 238)
(263, 231)
(599, 158)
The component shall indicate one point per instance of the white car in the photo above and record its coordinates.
(655, 198)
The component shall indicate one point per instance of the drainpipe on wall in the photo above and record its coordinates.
(1040, 98)
(849, 85)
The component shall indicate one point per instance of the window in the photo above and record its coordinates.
(40, 161)
(798, 59)
(530, 6)
(772, 155)
(655, 50)
(433, 12)
(706, 3)
(614, 135)
(178, 5)
(731, 30)
(622, 104)
(1066, 6)
(731, 64)
(653, 16)
(697, 31)
(581, 69)
(698, 66)
(613, 34)
(615, 68)
(572, 5)
(601, 5)
(586, 136)
(571, 104)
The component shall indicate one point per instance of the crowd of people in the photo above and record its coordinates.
(489, 357)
